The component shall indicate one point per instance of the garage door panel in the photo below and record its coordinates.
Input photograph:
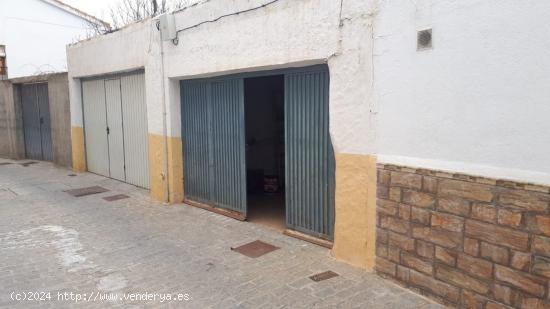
(134, 119)
(228, 145)
(114, 123)
(45, 121)
(309, 154)
(95, 127)
(31, 122)
(195, 139)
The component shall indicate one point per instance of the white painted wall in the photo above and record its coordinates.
(35, 34)
(476, 103)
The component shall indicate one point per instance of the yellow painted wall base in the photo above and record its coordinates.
(175, 165)
(157, 167)
(355, 222)
(78, 149)
(157, 179)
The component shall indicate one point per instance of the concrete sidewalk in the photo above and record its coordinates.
(53, 244)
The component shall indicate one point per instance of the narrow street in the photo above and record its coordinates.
(61, 250)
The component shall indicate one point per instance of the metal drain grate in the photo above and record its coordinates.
(5, 163)
(115, 197)
(324, 276)
(71, 175)
(86, 191)
(255, 249)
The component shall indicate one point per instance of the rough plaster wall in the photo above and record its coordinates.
(476, 103)
(58, 94)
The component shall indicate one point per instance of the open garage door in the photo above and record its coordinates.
(213, 143)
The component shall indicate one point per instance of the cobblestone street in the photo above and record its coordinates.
(52, 242)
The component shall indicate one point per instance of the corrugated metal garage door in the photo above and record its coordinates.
(136, 146)
(213, 143)
(309, 154)
(36, 121)
(115, 126)
(95, 127)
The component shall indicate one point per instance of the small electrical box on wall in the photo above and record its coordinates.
(424, 39)
(167, 27)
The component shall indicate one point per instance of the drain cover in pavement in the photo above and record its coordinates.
(115, 197)
(255, 249)
(86, 191)
(71, 175)
(25, 164)
(323, 276)
(5, 163)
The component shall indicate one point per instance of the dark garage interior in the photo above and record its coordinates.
(265, 150)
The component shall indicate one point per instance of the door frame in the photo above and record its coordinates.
(295, 232)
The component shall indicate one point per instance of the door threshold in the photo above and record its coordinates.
(225, 212)
(312, 239)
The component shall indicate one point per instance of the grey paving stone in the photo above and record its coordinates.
(53, 242)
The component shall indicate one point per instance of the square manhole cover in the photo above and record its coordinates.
(323, 276)
(255, 249)
(86, 191)
(115, 197)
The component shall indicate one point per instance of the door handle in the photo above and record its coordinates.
(41, 120)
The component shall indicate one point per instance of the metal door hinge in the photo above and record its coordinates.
(108, 130)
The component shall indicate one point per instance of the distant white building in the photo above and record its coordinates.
(34, 33)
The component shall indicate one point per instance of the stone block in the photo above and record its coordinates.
(439, 237)
(419, 199)
(497, 235)
(447, 222)
(509, 218)
(402, 242)
(425, 249)
(521, 260)
(460, 279)
(525, 200)
(520, 280)
(395, 224)
(541, 266)
(471, 246)
(416, 263)
(538, 224)
(454, 205)
(484, 212)
(445, 256)
(474, 266)
(429, 184)
(494, 253)
(466, 190)
(406, 180)
(437, 287)
(420, 215)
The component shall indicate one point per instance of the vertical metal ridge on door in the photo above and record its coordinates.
(228, 148)
(95, 126)
(195, 140)
(136, 136)
(213, 143)
(309, 155)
